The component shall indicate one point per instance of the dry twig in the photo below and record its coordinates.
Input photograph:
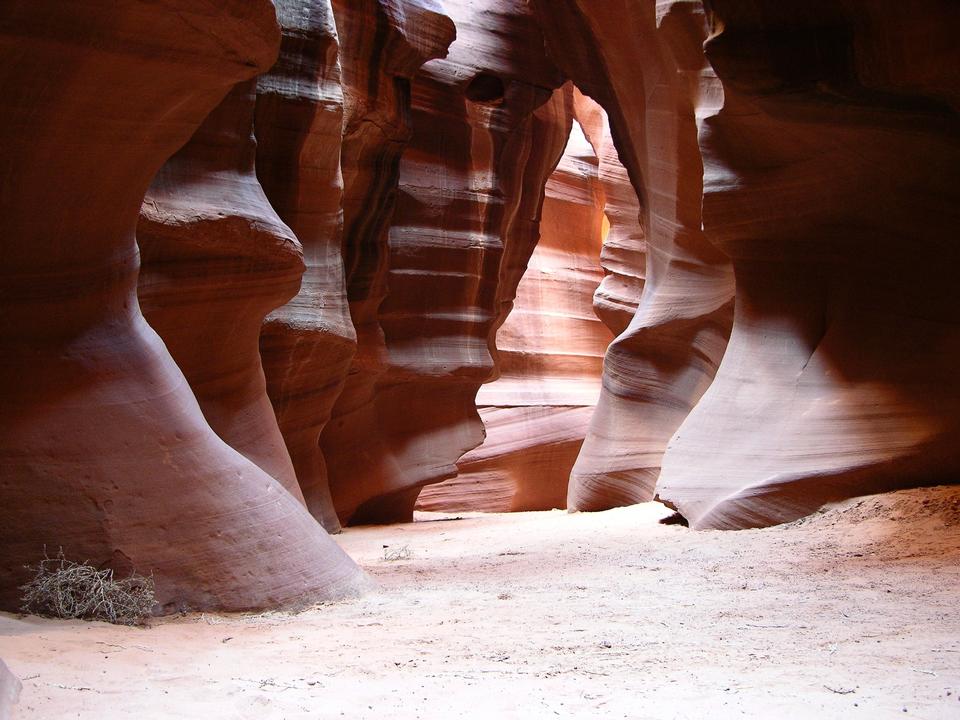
(62, 588)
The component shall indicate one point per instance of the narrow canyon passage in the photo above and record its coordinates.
(479, 358)
(849, 613)
(549, 354)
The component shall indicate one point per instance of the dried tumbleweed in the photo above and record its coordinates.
(62, 588)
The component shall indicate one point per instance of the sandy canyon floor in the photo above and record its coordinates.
(851, 613)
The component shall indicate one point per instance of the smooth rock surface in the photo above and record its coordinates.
(487, 131)
(624, 253)
(660, 365)
(307, 344)
(383, 46)
(215, 260)
(104, 451)
(549, 357)
(832, 180)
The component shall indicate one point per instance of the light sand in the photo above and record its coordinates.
(852, 613)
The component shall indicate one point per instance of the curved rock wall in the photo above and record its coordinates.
(307, 344)
(831, 180)
(383, 46)
(215, 259)
(549, 353)
(103, 448)
(661, 364)
(485, 136)
(624, 254)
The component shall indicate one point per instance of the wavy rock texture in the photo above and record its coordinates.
(624, 253)
(550, 357)
(103, 448)
(486, 135)
(306, 345)
(832, 181)
(383, 44)
(658, 368)
(10, 687)
(215, 260)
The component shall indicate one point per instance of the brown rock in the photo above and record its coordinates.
(486, 135)
(831, 180)
(308, 343)
(550, 356)
(383, 46)
(657, 369)
(103, 447)
(623, 257)
(215, 260)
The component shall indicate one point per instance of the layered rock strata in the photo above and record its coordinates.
(486, 135)
(215, 260)
(104, 450)
(550, 355)
(831, 180)
(383, 45)
(660, 365)
(624, 254)
(307, 344)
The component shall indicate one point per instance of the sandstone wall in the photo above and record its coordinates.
(487, 131)
(831, 180)
(104, 450)
(308, 343)
(215, 260)
(659, 366)
(384, 45)
(549, 358)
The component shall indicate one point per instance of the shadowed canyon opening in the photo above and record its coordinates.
(360, 358)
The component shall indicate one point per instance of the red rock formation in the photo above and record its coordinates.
(307, 344)
(103, 448)
(383, 44)
(215, 260)
(485, 139)
(832, 182)
(10, 688)
(550, 352)
(658, 368)
(624, 254)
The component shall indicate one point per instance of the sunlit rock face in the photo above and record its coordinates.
(487, 131)
(307, 344)
(550, 356)
(831, 180)
(104, 450)
(215, 259)
(383, 45)
(624, 253)
(659, 366)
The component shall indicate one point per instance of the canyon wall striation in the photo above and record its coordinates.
(307, 344)
(215, 260)
(487, 130)
(549, 358)
(663, 361)
(104, 450)
(383, 46)
(831, 181)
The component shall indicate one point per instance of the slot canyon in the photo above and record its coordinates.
(479, 358)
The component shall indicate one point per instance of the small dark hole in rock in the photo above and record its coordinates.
(486, 88)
